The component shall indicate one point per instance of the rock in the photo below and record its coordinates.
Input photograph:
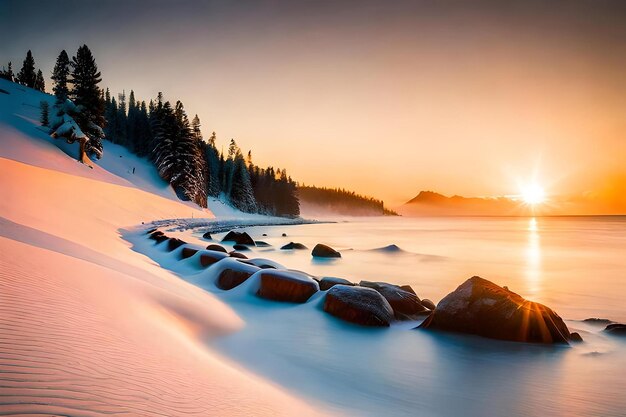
(595, 320)
(408, 288)
(239, 247)
(174, 243)
(616, 329)
(406, 305)
(207, 235)
(229, 278)
(159, 238)
(264, 234)
(208, 258)
(294, 245)
(238, 255)
(188, 252)
(283, 285)
(217, 248)
(323, 251)
(327, 283)
(284, 235)
(483, 308)
(427, 303)
(575, 337)
(360, 305)
(241, 238)
(261, 244)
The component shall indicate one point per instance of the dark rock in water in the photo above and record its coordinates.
(408, 288)
(207, 235)
(174, 243)
(261, 244)
(208, 258)
(595, 320)
(575, 337)
(229, 278)
(360, 305)
(217, 248)
(241, 238)
(616, 329)
(327, 283)
(284, 234)
(239, 255)
(264, 234)
(428, 304)
(324, 251)
(188, 252)
(294, 245)
(483, 308)
(406, 305)
(289, 286)
(240, 247)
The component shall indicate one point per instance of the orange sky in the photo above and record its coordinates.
(385, 99)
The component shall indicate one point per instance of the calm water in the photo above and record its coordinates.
(575, 265)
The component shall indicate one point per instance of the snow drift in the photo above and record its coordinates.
(89, 326)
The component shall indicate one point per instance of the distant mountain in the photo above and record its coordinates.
(430, 203)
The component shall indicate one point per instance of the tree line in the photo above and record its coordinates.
(160, 131)
(27, 75)
(343, 200)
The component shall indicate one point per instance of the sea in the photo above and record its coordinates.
(575, 265)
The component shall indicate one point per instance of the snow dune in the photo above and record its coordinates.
(88, 326)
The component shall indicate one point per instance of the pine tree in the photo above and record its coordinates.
(60, 75)
(86, 94)
(110, 114)
(212, 158)
(7, 74)
(44, 113)
(27, 75)
(120, 136)
(242, 195)
(40, 84)
(131, 122)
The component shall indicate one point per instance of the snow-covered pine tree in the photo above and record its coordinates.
(40, 83)
(163, 124)
(189, 171)
(87, 96)
(27, 75)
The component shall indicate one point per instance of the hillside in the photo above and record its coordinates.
(92, 318)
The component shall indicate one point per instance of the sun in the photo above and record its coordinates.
(533, 194)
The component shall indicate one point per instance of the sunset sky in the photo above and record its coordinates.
(385, 98)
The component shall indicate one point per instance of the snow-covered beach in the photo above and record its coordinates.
(88, 326)
(97, 318)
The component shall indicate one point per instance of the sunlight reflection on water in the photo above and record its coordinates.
(533, 258)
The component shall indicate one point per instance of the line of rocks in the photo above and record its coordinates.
(477, 306)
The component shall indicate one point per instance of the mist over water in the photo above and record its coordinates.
(575, 265)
